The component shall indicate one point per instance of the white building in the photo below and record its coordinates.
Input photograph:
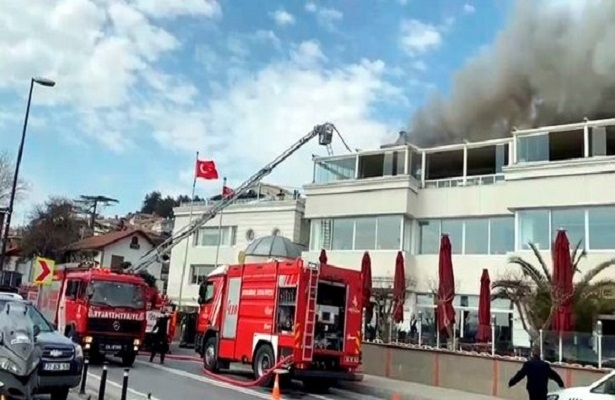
(492, 198)
(239, 225)
(114, 248)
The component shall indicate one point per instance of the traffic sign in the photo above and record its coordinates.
(43, 270)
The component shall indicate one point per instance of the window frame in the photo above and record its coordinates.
(193, 267)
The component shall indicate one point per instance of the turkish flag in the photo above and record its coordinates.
(227, 191)
(206, 170)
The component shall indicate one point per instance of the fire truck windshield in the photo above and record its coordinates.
(117, 294)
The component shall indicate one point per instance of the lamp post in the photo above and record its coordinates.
(7, 225)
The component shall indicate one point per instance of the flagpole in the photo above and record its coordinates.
(181, 283)
(220, 226)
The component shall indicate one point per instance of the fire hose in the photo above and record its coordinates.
(256, 382)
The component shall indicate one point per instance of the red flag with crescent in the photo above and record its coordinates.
(206, 170)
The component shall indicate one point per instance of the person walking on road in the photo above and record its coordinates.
(160, 344)
(538, 373)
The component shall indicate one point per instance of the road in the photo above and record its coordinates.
(185, 380)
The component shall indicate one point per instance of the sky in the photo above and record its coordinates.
(142, 85)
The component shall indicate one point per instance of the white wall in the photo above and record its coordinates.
(262, 217)
(122, 248)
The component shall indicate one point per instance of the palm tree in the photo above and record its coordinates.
(532, 292)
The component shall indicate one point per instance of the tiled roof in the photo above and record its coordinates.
(102, 241)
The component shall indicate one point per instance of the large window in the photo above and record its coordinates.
(534, 227)
(360, 233)
(533, 148)
(476, 232)
(337, 169)
(208, 237)
(387, 163)
(573, 221)
(493, 235)
(601, 221)
(198, 272)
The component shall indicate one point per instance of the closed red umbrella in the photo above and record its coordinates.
(484, 309)
(446, 287)
(399, 289)
(562, 283)
(366, 284)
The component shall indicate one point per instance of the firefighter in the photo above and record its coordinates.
(538, 374)
(160, 344)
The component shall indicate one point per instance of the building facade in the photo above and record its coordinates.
(236, 227)
(492, 198)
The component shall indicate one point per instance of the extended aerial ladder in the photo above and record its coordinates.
(325, 137)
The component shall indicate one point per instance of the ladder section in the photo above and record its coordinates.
(310, 313)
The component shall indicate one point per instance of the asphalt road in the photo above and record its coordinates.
(185, 380)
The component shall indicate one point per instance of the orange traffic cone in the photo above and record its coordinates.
(395, 397)
(275, 394)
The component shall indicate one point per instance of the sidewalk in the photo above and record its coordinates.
(385, 388)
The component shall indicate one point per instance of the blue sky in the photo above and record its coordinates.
(144, 84)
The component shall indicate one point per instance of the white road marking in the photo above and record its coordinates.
(208, 381)
(119, 386)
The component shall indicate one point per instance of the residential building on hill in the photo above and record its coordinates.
(250, 217)
(491, 198)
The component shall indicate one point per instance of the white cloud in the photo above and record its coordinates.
(282, 18)
(326, 17)
(469, 8)
(166, 8)
(268, 36)
(418, 37)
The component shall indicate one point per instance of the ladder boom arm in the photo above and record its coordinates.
(324, 132)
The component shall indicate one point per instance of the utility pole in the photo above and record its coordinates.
(92, 204)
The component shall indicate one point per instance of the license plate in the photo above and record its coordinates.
(56, 366)
(113, 347)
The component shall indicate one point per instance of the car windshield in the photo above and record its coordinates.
(35, 316)
(117, 294)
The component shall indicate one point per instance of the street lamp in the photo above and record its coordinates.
(7, 226)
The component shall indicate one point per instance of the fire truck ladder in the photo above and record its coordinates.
(161, 253)
(310, 313)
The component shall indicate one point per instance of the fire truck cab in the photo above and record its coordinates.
(262, 313)
(101, 309)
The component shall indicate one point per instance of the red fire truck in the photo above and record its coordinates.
(306, 311)
(102, 309)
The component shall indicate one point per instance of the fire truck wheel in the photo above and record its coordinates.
(128, 359)
(59, 394)
(264, 360)
(210, 356)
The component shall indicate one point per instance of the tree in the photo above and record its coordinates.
(155, 203)
(53, 226)
(532, 293)
(384, 304)
(7, 172)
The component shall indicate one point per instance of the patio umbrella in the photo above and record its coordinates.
(483, 334)
(366, 285)
(562, 283)
(446, 287)
(399, 289)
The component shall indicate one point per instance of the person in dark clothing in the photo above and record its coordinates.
(537, 372)
(160, 344)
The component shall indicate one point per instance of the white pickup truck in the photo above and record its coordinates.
(602, 389)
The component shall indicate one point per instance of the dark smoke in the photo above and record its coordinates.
(549, 65)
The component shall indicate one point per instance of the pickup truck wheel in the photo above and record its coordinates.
(210, 355)
(264, 360)
(128, 359)
(59, 394)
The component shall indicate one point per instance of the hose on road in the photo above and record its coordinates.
(242, 383)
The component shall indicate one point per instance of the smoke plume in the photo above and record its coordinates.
(549, 65)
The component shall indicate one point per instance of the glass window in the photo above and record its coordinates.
(533, 148)
(477, 236)
(343, 232)
(429, 236)
(597, 139)
(365, 234)
(198, 272)
(35, 316)
(338, 169)
(454, 229)
(321, 234)
(501, 235)
(501, 157)
(573, 221)
(394, 163)
(601, 228)
(534, 228)
(389, 233)
(209, 236)
(416, 164)
(408, 228)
